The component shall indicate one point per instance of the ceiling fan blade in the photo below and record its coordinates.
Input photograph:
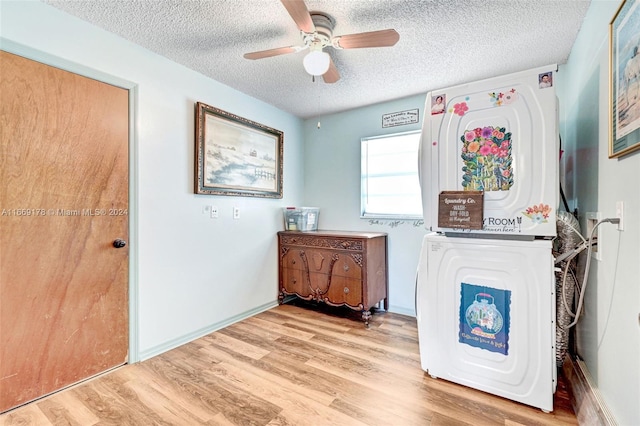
(271, 52)
(300, 14)
(332, 75)
(382, 38)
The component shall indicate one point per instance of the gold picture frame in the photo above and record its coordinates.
(236, 156)
(624, 79)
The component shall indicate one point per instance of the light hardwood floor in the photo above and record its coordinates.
(291, 365)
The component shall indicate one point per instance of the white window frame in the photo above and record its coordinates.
(366, 211)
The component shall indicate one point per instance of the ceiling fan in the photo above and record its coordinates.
(316, 29)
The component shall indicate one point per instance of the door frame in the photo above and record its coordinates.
(54, 61)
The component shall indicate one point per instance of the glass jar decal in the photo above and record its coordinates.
(483, 314)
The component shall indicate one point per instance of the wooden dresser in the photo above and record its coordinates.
(339, 268)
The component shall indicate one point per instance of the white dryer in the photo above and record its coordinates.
(486, 315)
(498, 136)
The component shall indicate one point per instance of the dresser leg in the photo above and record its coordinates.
(366, 315)
(280, 298)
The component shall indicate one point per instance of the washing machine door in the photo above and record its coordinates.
(487, 316)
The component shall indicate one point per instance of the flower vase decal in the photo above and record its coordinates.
(487, 159)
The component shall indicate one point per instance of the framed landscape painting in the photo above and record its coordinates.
(624, 72)
(236, 156)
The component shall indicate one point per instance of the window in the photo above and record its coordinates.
(389, 176)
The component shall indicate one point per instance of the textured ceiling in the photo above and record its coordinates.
(442, 43)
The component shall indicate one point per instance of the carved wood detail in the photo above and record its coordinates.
(334, 243)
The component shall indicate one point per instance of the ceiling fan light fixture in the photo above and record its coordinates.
(316, 30)
(316, 62)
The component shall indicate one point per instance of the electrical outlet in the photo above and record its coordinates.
(236, 212)
(592, 219)
(214, 212)
(620, 215)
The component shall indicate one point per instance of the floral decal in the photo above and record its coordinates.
(538, 213)
(486, 152)
(499, 99)
(460, 108)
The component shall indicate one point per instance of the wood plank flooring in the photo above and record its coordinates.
(295, 364)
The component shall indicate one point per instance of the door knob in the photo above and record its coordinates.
(118, 243)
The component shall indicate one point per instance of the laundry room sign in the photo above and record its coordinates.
(485, 317)
(400, 118)
(460, 209)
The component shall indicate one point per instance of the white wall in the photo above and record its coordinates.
(332, 182)
(608, 334)
(194, 273)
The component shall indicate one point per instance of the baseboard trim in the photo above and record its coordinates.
(587, 403)
(403, 311)
(174, 343)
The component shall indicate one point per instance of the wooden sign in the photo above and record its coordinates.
(460, 209)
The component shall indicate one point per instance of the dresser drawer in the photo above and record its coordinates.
(293, 282)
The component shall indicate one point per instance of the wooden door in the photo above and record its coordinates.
(63, 202)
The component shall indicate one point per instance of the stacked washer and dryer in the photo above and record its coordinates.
(485, 297)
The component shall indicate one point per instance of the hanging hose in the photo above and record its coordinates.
(569, 238)
(586, 268)
(569, 247)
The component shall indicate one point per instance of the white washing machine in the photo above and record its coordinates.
(486, 316)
